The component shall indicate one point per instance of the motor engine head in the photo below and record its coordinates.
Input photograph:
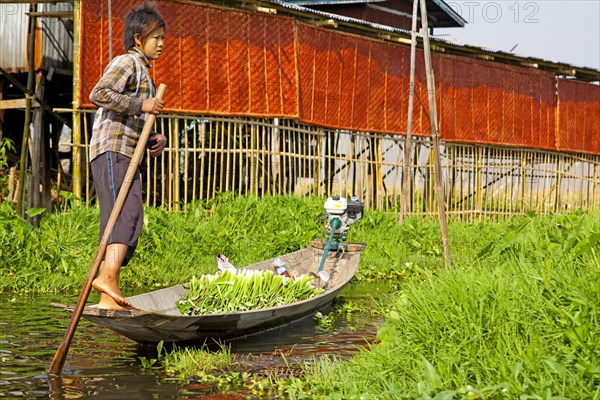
(341, 213)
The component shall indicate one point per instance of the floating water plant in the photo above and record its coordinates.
(247, 290)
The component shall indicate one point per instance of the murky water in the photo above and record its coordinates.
(104, 365)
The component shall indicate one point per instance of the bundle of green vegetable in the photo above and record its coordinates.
(226, 292)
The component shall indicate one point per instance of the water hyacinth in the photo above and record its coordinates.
(247, 290)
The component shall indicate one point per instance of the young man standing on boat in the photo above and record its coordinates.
(124, 95)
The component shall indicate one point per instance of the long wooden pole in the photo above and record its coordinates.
(406, 205)
(59, 358)
(434, 135)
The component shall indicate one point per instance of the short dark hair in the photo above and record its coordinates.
(143, 20)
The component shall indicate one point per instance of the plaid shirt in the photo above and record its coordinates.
(120, 93)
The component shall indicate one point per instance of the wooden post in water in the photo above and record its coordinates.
(25, 140)
(37, 139)
(434, 135)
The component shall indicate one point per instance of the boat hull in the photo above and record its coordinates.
(157, 317)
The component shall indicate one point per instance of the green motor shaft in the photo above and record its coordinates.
(334, 223)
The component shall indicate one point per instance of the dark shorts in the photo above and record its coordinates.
(108, 171)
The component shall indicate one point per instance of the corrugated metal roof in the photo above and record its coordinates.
(13, 36)
(439, 9)
(321, 2)
(446, 10)
(56, 44)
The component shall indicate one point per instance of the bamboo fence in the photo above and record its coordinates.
(209, 155)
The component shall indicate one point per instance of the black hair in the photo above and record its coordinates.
(143, 20)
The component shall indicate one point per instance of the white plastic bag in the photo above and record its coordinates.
(223, 264)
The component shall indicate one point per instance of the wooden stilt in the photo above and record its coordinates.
(36, 184)
(25, 141)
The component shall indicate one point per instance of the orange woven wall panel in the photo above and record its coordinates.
(508, 107)
(545, 131)
(347, 56)
(237, 27)
(567, 109)
(356, 83)
(579, 117)
(495, 101)
(361, 86)
(480, 106)
(321, 81)
(333, 79)
(523, 110)
(378, 67)
(92, 63)
(492, 103)
(447, 95)
(421, 125)
(215, 61)
(169, 69)
(218, 61)
(463, 85)
(232, 62)
(397, 88)
(193, 50)
(595, 118)
(592, 117)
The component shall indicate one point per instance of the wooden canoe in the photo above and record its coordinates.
(157, 316)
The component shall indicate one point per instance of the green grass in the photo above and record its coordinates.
(196, 362)
(522, 321)
(517, 316)
(173, 247)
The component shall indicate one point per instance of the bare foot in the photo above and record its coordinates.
(108, 303)
(111, 292)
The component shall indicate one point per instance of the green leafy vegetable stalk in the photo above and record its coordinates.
(247, 290)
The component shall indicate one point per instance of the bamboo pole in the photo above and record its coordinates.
(223, 168)
(478, 180)
(202, 161)
(317, 166)
(61, 353)
(174, 125)
(164, 177)
(186, 154)
(195, 162)
(255, 160)
(155, 179)
(379, 173)
(239, 160)
(229, 174)
(210, 178)
(87, 159)
(522, 181)
(76, 128)
(434, 134)
(595, 181)
(275, 158)
(264, 161)
(406, 205)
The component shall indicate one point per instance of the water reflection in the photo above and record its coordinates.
(102, 364)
